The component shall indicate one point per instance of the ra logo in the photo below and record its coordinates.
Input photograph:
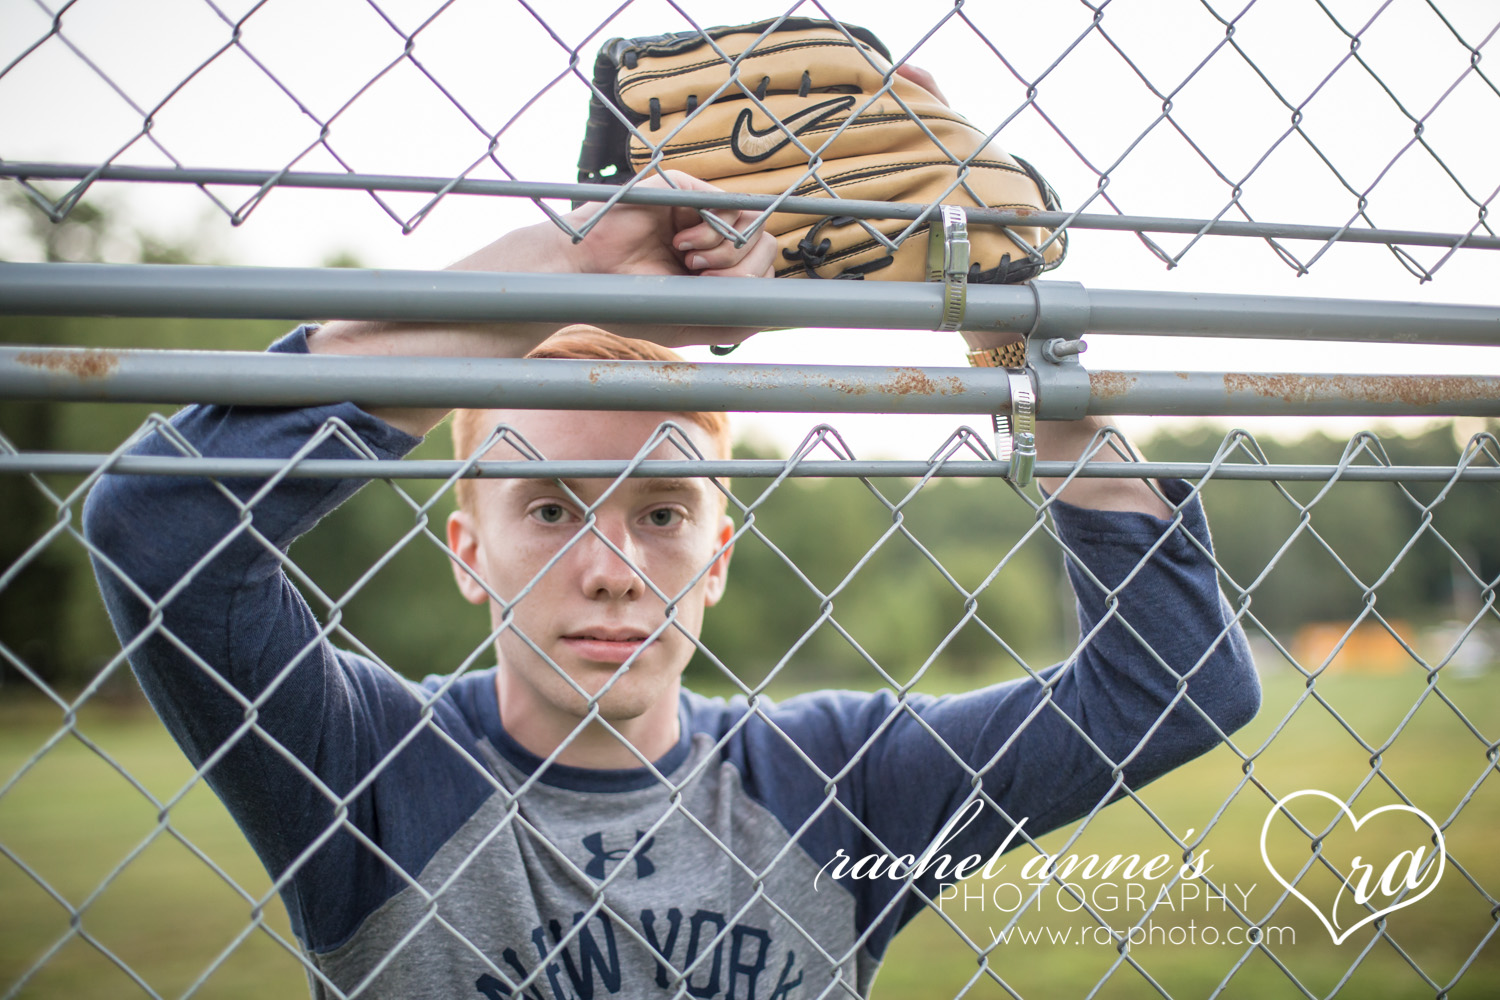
(594, 844)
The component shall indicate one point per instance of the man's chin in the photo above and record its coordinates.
(626, 695)
(624, 703)
(618, 698)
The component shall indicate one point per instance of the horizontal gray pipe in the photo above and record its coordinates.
(462, 296)
(1259, 394)
(1213, 314)
(725, 199)
(49, 463)
(232, 377)
(297, 294)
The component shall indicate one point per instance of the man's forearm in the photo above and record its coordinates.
(488, 340)
(1066, 441)
(628, 239)
(535, 248)
(1070, 440)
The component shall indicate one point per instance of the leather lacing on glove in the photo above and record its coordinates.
(812, 253)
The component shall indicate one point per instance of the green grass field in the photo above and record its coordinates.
(73, 819)
(1436, 761)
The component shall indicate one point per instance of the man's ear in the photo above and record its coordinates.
(718, 573)
(463, 541)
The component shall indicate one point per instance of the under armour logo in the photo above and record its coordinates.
(594, 843)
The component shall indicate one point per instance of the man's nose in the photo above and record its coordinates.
(609, 558)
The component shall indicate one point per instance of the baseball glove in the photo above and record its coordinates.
(810, 87)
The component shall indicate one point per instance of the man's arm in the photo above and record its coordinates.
(1162, 670)
(297, 736)
(1067, 441)
(630, 239)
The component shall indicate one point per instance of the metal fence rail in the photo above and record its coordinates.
(286, 293)
(851, 207)
(227, 377)
(45, 463)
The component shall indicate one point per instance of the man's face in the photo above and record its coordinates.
(596, 607)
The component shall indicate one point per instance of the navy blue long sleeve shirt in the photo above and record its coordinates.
(421, 851)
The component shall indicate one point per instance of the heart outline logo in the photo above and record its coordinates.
(1338, 938)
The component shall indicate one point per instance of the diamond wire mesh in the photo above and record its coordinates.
(1349, 116)
(1334, 124)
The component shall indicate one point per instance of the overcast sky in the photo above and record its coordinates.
(302, 62)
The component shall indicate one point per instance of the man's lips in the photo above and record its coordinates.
(605, 645)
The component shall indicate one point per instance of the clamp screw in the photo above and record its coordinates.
(1057, 348)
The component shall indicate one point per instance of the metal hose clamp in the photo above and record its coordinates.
(948, 262)
(1015, 432)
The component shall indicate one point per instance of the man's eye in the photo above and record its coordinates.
(551, 513)
(664, 517)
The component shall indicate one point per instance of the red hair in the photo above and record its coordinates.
(582, 343)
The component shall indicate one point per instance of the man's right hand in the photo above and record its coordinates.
(648, 240)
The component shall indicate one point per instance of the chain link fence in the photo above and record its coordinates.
(1381, 709)
(1331, 138)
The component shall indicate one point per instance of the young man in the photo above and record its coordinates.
(571, 823)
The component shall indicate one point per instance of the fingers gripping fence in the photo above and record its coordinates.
(1338, 843)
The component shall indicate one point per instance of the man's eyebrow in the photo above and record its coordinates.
(643, 484)
(650, 484)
